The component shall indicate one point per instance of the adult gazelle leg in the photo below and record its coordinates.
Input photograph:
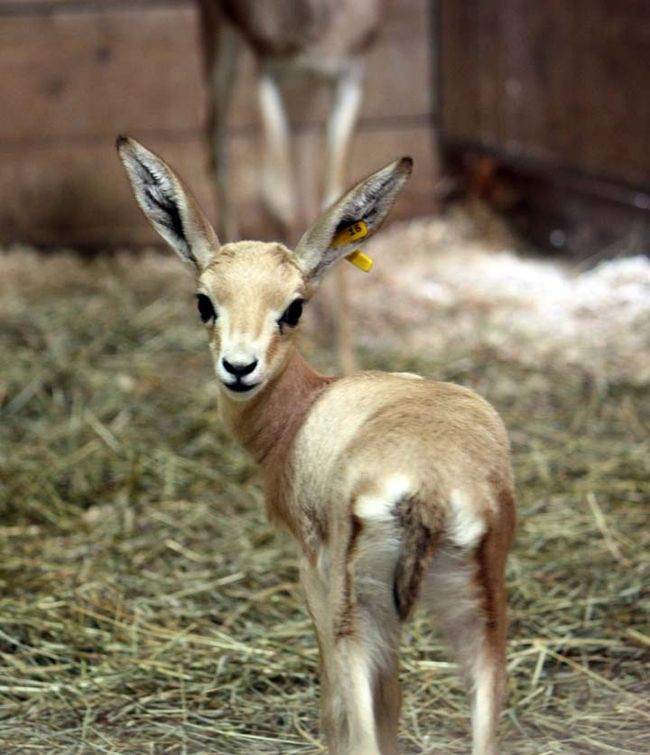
(277, 174)
(340, 127)
(221, 65)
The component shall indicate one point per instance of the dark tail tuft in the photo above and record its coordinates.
(421, 527)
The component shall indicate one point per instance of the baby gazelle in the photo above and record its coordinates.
(397, 489)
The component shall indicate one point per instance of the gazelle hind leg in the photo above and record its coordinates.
(387, 698)
(347, 712)
(358, 639)
(468, 597)
(488, 672)
(486, 691)
(355, 679)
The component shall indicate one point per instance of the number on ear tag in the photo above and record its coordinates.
(350, 234)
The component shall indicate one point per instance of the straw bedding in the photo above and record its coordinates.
(147, 607)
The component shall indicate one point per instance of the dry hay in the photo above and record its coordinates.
(146, 605)
(464, 296)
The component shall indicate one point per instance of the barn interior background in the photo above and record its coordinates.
(146, 605)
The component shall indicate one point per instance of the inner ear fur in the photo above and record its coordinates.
(168, 204)
(370, 201)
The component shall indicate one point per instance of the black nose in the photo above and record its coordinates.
(238, 369)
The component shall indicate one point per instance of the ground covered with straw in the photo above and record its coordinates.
(146, 606)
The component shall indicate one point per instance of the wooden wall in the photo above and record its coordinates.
(544, 107)
(74, 73)
(565, 82)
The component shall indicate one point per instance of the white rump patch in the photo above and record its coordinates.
(380, 506)
(465, 526)
(409, 375)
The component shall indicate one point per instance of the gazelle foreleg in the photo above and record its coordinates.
(340, 127)
(222, 61)
(277, 173)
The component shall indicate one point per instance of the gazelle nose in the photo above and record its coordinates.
(239, 370)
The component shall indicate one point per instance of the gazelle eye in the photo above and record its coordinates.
(291, 314)
(206, 309)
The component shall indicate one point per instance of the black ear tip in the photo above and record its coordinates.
(406, 164)
(121, 141)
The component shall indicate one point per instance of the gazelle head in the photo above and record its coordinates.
(250, 294)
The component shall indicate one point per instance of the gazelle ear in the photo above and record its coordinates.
(366, 203)
(168, 204)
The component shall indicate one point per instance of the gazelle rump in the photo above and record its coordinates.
(397, 489)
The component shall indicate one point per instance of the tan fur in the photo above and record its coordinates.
(397, 490)
(268, 431)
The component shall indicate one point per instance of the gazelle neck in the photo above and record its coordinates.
(267, 424)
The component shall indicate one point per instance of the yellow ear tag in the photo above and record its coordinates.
(361, 260)
(348, 235)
